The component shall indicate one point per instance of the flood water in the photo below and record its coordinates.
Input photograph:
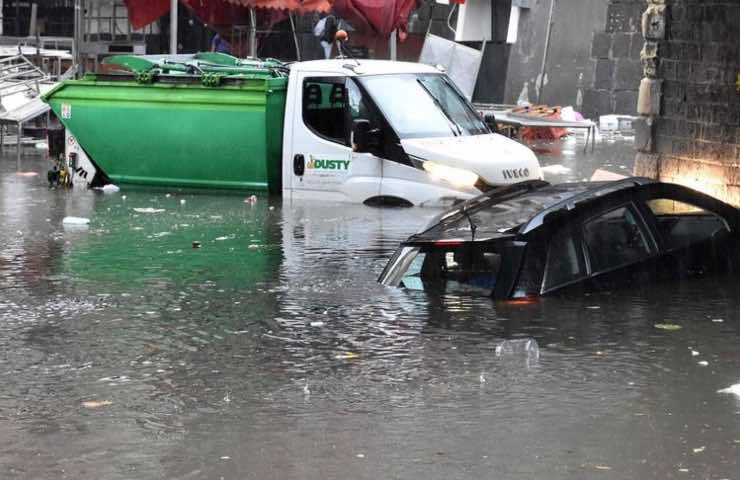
(270, 352)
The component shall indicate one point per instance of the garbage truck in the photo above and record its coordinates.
(369, 131)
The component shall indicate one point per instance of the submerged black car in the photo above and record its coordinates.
(533, 238)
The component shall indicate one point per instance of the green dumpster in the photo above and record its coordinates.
(210, 121)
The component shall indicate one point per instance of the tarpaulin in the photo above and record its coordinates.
(217, 12)
(379, 16)
(143, 12)
(300, 6)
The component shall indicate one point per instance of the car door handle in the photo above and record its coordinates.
(299, 165)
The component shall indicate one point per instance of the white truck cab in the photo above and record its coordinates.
(374, 131)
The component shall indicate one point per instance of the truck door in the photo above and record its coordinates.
(323, 163)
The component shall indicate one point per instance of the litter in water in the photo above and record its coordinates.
(702, 363)
(694, 353)
(26, 174)
(519, 346)
(699, 449)
(346, 356)
(252, 199)
(75, 221)
(196, 244)
(717, 320)
(734, 390)
(96, 403)
(671, 327)
(149, 210)
(109, 188)
(182, 201)
(317, 324)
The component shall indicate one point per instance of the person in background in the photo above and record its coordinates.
(218, 44)
(324, 30)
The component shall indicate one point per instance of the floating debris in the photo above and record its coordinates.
(734, 390)
(671, 327)
(360, 455)
(717, 320)
(699, 449)
(96, 403)
(252, 199)
(149, 210)
(694, 353)
(26, 174)
(317, 324)
(182, 201)
(346, 356)
(76, 221)
(196, 244)
(702, 363)
(109, 188)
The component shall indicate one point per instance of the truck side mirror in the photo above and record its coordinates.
(364, 137)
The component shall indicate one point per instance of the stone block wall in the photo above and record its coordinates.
(616, 54)
(689, 100)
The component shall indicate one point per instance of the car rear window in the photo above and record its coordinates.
(462, 268)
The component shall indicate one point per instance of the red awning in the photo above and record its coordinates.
(379, 16)
(217, 12)
(300, 6)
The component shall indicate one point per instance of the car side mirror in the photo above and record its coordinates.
(364, 137)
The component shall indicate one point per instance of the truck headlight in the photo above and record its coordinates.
(456, 176)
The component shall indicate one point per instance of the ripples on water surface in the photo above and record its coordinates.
(270, 352)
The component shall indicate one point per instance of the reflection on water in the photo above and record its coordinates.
(271, 352)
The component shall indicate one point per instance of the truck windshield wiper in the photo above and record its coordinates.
(475, 118)
(453, 126)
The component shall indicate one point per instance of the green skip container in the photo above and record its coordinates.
(202, 121)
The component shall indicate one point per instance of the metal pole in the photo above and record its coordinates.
(76, 37)
(544, 55)
(173, 27)
(18, 143)
(252, 33)
(394, 45)
(295, 37)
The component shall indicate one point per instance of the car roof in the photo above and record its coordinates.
(353, 68)
(514, 210)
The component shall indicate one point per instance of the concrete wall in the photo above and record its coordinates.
(689, 131)
(615, 51)
(569, 59)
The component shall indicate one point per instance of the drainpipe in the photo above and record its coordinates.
(543, 71)
(252, 33)
(173, 27)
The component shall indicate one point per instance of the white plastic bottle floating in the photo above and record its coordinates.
(524, 347)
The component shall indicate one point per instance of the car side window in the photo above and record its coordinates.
(564, 260)
(681, 224)
(324, 102)
(614, 239)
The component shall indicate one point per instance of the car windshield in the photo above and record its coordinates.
(460, 268)
(423, 106)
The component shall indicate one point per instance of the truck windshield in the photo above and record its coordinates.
(423, 106)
